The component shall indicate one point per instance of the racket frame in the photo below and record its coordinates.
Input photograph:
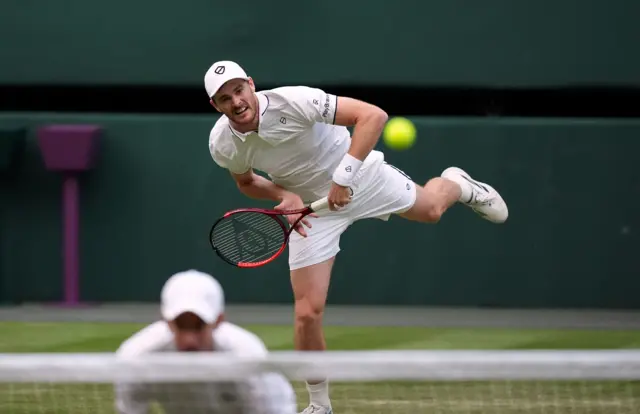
(275, 214)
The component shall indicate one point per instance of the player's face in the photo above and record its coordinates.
(237, 101)
(191, 334)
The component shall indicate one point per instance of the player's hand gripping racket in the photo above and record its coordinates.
(252, 237)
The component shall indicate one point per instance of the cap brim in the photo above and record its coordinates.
(246, 78)
(200, 309)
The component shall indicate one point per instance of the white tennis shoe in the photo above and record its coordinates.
(317, 409)
(484, 199)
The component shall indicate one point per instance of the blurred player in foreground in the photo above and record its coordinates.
(193, 311)
(298, 136)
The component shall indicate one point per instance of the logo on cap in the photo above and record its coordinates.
(219, 70)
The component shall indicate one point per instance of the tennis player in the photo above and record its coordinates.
(193, 312)
(298, 135)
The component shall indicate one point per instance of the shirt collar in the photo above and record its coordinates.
(263, 104)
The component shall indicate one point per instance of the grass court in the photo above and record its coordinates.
(495, 397)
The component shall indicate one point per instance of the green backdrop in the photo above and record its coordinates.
(571, 239)
(330, 42)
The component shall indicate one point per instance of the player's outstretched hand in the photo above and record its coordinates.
(293, 201)
(339, 196)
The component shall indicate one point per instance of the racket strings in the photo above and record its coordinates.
(248, 237)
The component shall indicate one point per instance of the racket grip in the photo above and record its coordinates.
(321, 204)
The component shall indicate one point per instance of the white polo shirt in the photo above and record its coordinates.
(268, 393)
(297, 143)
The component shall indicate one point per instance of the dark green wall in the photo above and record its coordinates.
(411, 42)
(572, 238)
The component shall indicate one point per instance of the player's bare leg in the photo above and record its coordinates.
(310, 286)
(432, 200)
(455, 185)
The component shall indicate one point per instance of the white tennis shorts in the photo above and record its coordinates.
(384, 191)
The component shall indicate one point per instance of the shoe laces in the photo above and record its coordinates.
(480, 198)
(311, 409)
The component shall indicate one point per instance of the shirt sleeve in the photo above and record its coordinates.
(314, 104)
(232, 164)
(129, 399)
(271, 393)
(225, 157)
(132, 397)
(266, 392)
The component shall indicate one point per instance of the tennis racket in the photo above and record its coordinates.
(253, 237)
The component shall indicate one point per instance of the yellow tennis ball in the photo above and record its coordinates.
(399, 133)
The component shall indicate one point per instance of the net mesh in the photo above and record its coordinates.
(497, 382)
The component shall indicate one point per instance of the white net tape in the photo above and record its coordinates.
(497, 382)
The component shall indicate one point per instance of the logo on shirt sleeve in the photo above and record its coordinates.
(327, 106)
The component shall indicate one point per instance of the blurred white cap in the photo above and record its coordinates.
(221, 72)
(192, 291)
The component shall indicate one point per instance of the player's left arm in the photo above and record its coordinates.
(367, 119)
(270, 393)
(265, 392)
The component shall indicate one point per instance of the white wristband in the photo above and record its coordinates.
(346, 171)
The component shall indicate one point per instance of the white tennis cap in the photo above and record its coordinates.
(221, 72)
(192, 291)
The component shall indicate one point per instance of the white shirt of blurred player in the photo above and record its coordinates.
(297, 143)
(263, 394)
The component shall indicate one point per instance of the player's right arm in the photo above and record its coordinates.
(134, 397)
(226, 155)
(129, 400)
(255, 186)
(251, 184)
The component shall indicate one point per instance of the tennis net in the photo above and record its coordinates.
(390, 382)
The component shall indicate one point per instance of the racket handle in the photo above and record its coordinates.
(321, 204)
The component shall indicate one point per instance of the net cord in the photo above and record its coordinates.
(337, 365)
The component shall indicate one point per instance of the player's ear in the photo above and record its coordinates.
(172, 325)
(251, 84)
(219, 320)
(214, 105)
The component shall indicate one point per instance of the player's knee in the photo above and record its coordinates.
(308, 311)
(428, 206)
(426, 214)
(431, 215)
(424, 210)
